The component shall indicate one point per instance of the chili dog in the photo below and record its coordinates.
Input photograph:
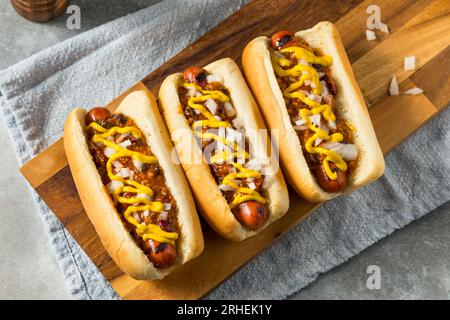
(305, 87)
(137, 199)
(236, 193)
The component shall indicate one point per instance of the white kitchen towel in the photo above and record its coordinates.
(96, 66)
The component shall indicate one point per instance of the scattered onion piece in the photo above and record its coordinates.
(409, 63)
(414, 91)
(211, 105)
(113, 185)
(393, 88)
(109, 152)
(164, 215)
(229, 109)
(225, 187)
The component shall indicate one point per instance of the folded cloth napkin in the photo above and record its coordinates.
(94, 67)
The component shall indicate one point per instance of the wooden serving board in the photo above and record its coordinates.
(420, 28)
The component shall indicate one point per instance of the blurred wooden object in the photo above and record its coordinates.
(40, 10)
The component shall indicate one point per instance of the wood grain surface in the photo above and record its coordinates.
(420, 28)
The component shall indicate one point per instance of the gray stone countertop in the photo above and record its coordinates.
(414, 262)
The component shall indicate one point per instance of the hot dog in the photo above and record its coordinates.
(137, 199)
(236, 192)
(305, 87)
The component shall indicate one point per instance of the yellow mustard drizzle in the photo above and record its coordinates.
(244, 194)
(149, 231)
(306, 72)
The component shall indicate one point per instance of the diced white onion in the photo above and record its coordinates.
(211, 105)
(384, 28)
(324, 128)
(252, 185)
(163, 215)
(229, 109)
(114, 185)
(137, 164)
(225, 187)
(146, 213)
(300, 122)
(218, 118)
(196, 111)
(125, 144)
(347, 151)
(414, 91)
(253, 164)
(325, 90)
(214, 78)
(315, 119)
(131, 176)
(198, 94)
(321, 74)
(332, 125)
(117, 164)
(315, 97)
(191, 91)
(393, 88)
(167, 206)
(144, 196)
(370, 35)
(312, 84)
(136, 217)
(307, 82)
(317, 141)
(409, 63)
(124, 172)
(237, 123)
(109, 152)
(122, 137)
(300, 128)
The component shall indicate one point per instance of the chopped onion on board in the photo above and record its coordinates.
(414, 91)
(393, 88)
(409, 63)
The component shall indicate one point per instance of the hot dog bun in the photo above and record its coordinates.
(142, 108)
(209, 197)
(349, 103)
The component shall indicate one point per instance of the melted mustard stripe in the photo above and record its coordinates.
(244, 194)
(137, 203)
(306, 72)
